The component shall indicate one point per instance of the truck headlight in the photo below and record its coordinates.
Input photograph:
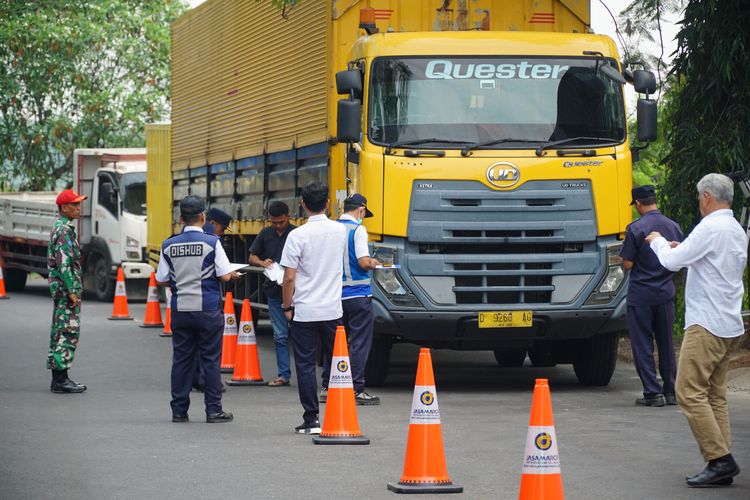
(387, 278)
(608, 287)
(131, 242)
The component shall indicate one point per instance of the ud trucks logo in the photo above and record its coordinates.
(503, 174)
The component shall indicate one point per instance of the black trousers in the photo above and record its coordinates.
(304, 336)
(199, 332)
(646, 324)
(358, 322)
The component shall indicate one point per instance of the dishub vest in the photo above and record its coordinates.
(192, 271)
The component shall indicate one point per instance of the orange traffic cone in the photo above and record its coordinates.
(229, 341)
(541, 478)
(246, 363)
(425, 470)
(167, 332)
(2, 284)
(340, 425)
(120, 305)
(153, 308)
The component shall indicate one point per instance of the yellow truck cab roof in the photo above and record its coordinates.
(482, 43)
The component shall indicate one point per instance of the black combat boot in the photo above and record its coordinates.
(61, 384)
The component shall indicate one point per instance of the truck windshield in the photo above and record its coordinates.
(482, 99)
(133, 192)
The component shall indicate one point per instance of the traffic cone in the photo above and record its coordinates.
(246, 364)
(153, 308)
(425, 470)
(167, 332)
(120, 304)
(541, 478)
(340, 425)
(2, 285)
(229, 341)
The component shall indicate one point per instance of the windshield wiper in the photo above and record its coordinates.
(492, 142)
(552, 144)
(415, 142)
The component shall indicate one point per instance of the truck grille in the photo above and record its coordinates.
(468, 244)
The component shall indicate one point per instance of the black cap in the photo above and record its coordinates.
(642, 192)
(357, 200)
(192, 205)
(219, 216)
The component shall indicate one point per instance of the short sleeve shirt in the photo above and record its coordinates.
(269, 245)
(650, 283)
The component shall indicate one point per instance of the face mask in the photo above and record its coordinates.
(359, 221)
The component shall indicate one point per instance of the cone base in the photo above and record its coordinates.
(425, 488)
(246, 382)
(227, 369)
(120, 318)
(154, 325)
(341, 440)
(163, 334)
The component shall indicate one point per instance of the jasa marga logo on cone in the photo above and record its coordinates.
(424, 406)
(341, 374)
(541, 456)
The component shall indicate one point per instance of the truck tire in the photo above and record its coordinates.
(596, 360)
(379, 361)
(15, 279)
(510, 358)
(104, 285)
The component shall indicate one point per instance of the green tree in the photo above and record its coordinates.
(75, 74)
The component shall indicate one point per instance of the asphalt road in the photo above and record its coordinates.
(117, 439)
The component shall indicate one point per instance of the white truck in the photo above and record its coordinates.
(111, 230)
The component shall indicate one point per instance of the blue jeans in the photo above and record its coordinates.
(280, 327)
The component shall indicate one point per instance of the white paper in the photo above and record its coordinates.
(275, 272)
(237, 267)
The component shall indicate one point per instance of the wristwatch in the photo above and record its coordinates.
(287, 309)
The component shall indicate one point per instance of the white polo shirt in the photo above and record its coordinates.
(715, 254)
(316, 251)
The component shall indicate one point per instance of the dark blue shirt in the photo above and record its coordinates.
(269, 245)
(650, 283)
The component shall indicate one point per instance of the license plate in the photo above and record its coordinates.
(505, 319)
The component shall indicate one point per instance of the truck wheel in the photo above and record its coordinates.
(596, 360)
(15, 279)
(379, 361)
(104, 285)
(510, 358)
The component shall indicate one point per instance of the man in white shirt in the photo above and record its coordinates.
(311, 294)
(715, 254)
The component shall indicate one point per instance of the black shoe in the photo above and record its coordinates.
(364, 399)
(670, 399)
(76, 383)
(716, 473)
(67, 387)
(180, 417)
(657, 400)
(219, 418)
(308, 427)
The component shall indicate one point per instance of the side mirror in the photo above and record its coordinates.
(646, 120)
(644, 82)
(348, 81)
(349, 120)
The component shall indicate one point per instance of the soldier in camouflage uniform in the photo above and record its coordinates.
(64, 264)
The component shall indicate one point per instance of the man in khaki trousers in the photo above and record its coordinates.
(715, 254)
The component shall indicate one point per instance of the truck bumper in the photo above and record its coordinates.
(460, 330)
(136, 270)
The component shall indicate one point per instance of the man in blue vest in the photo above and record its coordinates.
(356, 298)
(191, 264)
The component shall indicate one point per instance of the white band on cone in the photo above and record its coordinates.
(247, 333)
(541, 456)
(230, 324)
(153, 295)
(120, 289)
(341, 373)
(424, 405)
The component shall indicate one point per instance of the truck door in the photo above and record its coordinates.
(105, 213)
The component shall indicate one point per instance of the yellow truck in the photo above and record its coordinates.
(489, 137)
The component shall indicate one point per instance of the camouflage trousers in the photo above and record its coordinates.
(63, 337)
